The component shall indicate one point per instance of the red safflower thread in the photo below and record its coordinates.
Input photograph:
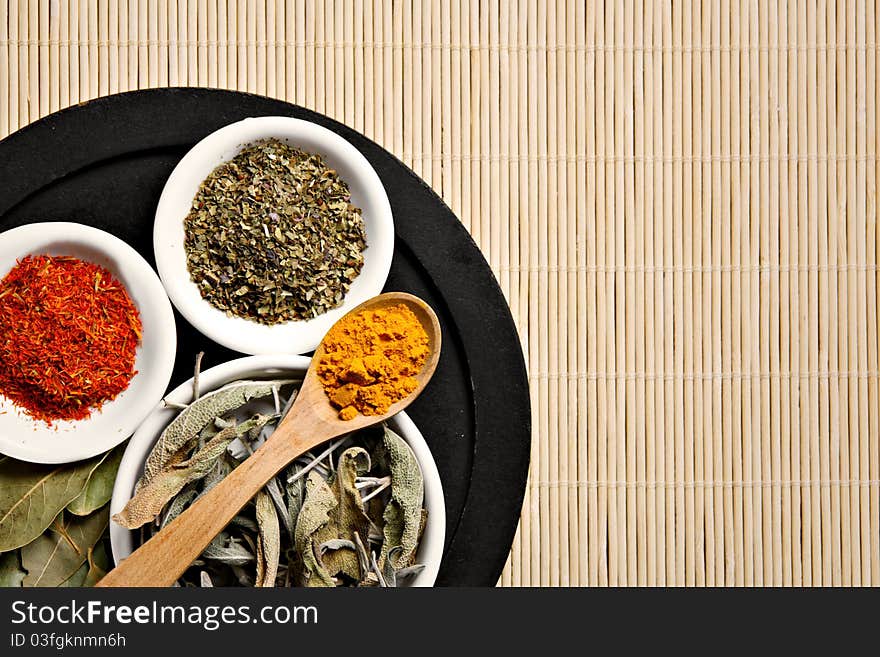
(69, 332)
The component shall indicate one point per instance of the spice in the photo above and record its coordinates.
(272, 235)
(68, 336)
(371, 359)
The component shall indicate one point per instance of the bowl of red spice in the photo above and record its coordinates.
(87, 341)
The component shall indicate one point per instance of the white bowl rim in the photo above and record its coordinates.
(430, 550)
(240, 334)
(141, 283)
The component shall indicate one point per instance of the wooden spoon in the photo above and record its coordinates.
(309, 422)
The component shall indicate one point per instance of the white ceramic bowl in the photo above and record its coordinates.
(241, 334)
(24, 438)
(122, 540)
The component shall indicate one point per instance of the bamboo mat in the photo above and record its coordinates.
(679, 201)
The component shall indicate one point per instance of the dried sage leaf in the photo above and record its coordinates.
(268, 541)
(32, 495)
(99, 487)
(158, 491)
(11, 574)
(403, 514)
(347, 518)
(227, 550)
(194, 418)
(319, 500)
(58, 553)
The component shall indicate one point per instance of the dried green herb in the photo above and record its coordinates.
(272, 235)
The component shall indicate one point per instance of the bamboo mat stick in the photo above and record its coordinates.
(155, 74)
(347, 74)
(113, 54)
(830, 575)
(686, 458)
(702, 279)
(267, 20)
(668, 260)
(636, 458)
(774, 302)
(862, 300)
(762, 463)
(212, 20)
(659, 325)
(173, 38)
(841, 572)
(239, 31)
(202, 41)
(855, 435)
(872, 243)
(626, 250)
(754, 311)
(143, 37)
(42, 55)
(11, 48)
(576, 338)
(330, 52)
(651, 171)
(183, 37)
(23, 66)
(225, 54)
(718, 309)
(286, 55)
(102, 19)
(51, 55)
(33, 57)
(588, 210)
(606, 554)
(548, 283)
(396, 111)
(63, 56)
(247, 30)
(5, 109)
(558, 285)
(618, 248)
(302, 21)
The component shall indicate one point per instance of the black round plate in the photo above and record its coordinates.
(104, 163)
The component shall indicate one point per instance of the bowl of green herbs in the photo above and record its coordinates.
(374, 518)
(269, 230)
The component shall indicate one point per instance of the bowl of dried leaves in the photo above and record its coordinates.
(269, 230)
(365, 509)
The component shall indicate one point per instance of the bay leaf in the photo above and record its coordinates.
(99, 487)
(403, 514)
(99, 563)
(151, 498)
(268, 541)
(194, 418)
(319, 500)
(78, 578)
(32, 495)
(59, 552)
(11, 574)
(347, 517)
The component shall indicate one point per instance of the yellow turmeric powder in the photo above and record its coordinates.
(371, 359)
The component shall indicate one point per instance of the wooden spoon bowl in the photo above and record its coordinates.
(311, 420)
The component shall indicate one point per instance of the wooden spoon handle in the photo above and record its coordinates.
(165, 557)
